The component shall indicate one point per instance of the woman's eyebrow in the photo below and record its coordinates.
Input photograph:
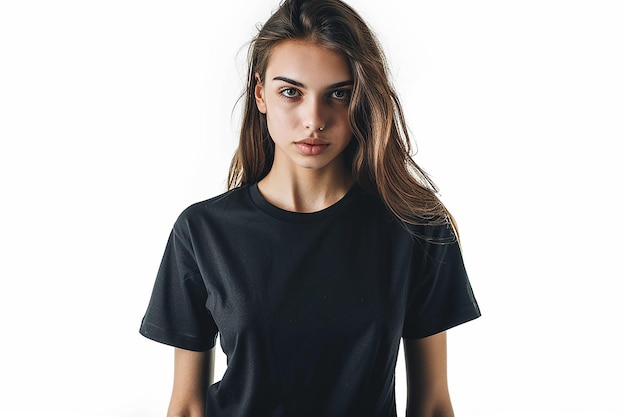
(299, 84)
(341, 84)
(290, 81)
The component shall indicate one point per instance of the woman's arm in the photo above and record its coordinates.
(193, 372)
(427, 377)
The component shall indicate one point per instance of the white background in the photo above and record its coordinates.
(116, 115)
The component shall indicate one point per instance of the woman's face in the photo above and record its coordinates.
(305, 96)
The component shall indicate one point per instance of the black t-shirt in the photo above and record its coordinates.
(310, 307)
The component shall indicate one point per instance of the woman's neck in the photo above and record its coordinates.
(305, 190)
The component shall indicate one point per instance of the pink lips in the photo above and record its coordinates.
(312, 146)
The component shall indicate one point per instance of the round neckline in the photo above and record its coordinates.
(298, 217)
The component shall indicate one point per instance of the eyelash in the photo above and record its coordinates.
(345, 91)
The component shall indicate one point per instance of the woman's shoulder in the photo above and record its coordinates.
(434, 230)
(438, 231)
(218, 207)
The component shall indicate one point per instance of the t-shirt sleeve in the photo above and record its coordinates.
(440, 295)
(177, 314)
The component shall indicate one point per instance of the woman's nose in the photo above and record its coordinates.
(314, 117)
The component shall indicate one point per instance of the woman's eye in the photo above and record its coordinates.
(341, 94)
(289, 92)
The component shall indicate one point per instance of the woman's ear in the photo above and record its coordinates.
(259, 94)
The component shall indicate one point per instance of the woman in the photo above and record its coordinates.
(330, 247)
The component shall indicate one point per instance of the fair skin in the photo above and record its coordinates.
(193, 372)
(307, 88)
(427, 377)
(305, 97)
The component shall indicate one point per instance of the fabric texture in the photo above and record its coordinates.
(310, 307)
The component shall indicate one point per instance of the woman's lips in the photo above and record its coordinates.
(312, 146)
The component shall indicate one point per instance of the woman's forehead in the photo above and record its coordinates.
(307, 63)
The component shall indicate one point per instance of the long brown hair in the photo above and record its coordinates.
(380, 153)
